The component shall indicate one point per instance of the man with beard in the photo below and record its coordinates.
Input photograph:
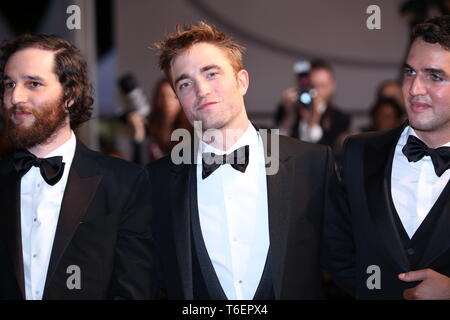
(74, 223)
(387, 233)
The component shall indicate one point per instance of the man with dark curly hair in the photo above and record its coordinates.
(74, 224)
(387, 235)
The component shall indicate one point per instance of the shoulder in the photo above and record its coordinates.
(374, 137)
(90, 161)
(340, 114)
(295, 146)
(161, 167)
(6, 164)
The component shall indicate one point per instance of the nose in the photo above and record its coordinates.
(417, 87)
(203, 88)
(15, 96)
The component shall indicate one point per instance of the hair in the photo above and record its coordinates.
(319, 64)
(384, 84)
(184, 37)
(69, 66)
(435, 30)
(158, 111)
(387, 101)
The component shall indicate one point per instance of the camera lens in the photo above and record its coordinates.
(305, 98)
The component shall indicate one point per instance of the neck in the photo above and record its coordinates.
(225, 138)
(433, 139)
(57, 139)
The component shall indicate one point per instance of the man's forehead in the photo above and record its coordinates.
(202, 50)
(31, 59)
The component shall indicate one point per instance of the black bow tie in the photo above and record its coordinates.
(415, 150)
(51, 168)
(238, 159)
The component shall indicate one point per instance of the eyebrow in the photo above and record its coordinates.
(212, 66)
(182, 77)
(428, 70)
(29, 77)
(407, 66)
(436, 71)
(203, 69)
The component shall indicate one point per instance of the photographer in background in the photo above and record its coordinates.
(317, 120)
(136, 109)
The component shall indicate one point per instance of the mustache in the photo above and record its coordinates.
(20, 108)
(419, 100)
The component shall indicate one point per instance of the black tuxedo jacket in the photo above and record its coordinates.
(360, 223)
(103, 228)
(295, 206)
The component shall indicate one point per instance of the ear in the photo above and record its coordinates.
(69, 103)
(243, 81)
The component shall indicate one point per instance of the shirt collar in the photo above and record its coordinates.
(410, 131)
(249, 137)
(66, 150)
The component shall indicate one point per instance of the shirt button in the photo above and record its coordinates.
(240, 281)
(34, 255)
(35, 219)
(410, 251)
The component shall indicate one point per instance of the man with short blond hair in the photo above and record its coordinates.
(226, 228)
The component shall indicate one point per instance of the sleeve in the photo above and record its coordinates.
(134, 264)
(338, 254)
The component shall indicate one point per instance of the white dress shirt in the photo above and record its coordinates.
(233, 214)
(40, 204)
(415, 186)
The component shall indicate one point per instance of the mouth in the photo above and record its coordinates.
(19, 115)
(206, 105)
(419, 106)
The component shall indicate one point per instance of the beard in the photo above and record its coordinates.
(48, 118)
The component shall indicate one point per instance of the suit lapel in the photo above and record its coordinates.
(81, 186)
(182, 191)
(378, 157)
(277, 193)
(10, 222)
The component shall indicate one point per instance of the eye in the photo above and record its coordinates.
(409, 72)
(212, 74)
(184, 85)
(9, 85)
(35, 84)
(435, 77)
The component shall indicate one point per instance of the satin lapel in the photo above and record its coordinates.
(81, 186)
(378, 158)
(278, 190)
(181, 191)
(10, 225)
(439, 239)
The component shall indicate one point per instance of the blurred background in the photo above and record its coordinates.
(116, 35)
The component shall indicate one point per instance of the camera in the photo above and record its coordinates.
(305, 90)
(135, 97)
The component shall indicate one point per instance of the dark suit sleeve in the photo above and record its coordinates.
(339, 250)
(133, 275)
